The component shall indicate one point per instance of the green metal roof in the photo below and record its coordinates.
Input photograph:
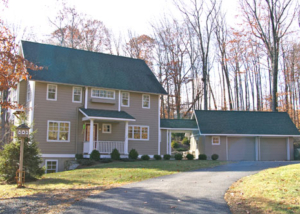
(245, 122)
(79, 67)
(178, 124)
(106, 113)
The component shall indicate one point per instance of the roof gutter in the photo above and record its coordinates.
(250, 135)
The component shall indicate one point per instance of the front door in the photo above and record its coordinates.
(87, 134)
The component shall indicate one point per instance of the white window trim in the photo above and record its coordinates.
(122, 99)
(212, 141)
(56, 170)
(73, 95)
(140, 133)
(143, 101)
(62, 141)
(28, 98)
(103, 97)
(55, 92)
(105, 124)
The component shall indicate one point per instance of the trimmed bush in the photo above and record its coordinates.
(79, 156)
(133, 154)
(167, 157)
(145, 157)
(202, 157)
(115, 154)
(214, 157)
(175, 144)
(95, 155)
(157, 157)
(86, 162)
(186, 141)
(178, 156)
(106, 160)
(182, 149)
(190, 156)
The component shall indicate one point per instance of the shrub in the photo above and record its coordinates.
(175, 144)
(157, 157)
(167, 157)
(115, 154)
(145, 157)
(127, 160)
(296, 154)
(10, 156)
(190, 156)
(95, 155)
(178, 156)
(214, 157)
(186, 141)
(79, 156)
(106, 160)
(133, 154)
(86, 162)
(202, 157)
(182, 149)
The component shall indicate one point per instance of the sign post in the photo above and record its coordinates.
(22, 132)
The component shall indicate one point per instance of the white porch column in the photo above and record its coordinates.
(126, 138)
(91, 147)
(288, 155)
(86, 97)
(170, 140)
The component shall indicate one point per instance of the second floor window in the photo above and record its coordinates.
(125, 99)
(101, 93)
(146, 101)
(77, 94)
(51, 92)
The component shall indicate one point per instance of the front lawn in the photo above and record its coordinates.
(274, 190)
(102, 176)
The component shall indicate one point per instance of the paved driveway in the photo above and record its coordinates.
(200, 191)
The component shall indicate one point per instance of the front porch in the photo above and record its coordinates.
(110, 131)
(106, 147)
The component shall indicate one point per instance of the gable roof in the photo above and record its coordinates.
(86, 68)
(245, 122)
(178, 124)
(109, 114)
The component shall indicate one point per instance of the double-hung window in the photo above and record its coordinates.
(58, 131)
(138, 132)
(125, 99)
(146, 101)
(51, 92)
(101, 93)
(77, 95)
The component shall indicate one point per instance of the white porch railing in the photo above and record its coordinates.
(105, 146)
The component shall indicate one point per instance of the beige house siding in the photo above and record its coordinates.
(61, 110)
(163, 142)
(22, 92)
(210, 149)
(144, 117)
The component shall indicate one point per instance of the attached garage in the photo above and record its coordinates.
(272, 149)
(241, 149)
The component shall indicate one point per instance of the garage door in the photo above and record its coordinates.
(241, 149)
(273, 149)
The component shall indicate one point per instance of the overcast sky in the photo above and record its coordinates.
(117, 15)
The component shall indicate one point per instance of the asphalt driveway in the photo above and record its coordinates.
(200, 191)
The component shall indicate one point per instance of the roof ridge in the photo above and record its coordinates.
(175, 119)
(38, 43)
(242, 111)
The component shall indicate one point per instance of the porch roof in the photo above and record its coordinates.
(106, 115)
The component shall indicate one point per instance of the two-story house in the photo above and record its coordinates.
(76, 90)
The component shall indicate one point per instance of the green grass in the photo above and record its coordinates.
(274, 190)
(104, 176)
